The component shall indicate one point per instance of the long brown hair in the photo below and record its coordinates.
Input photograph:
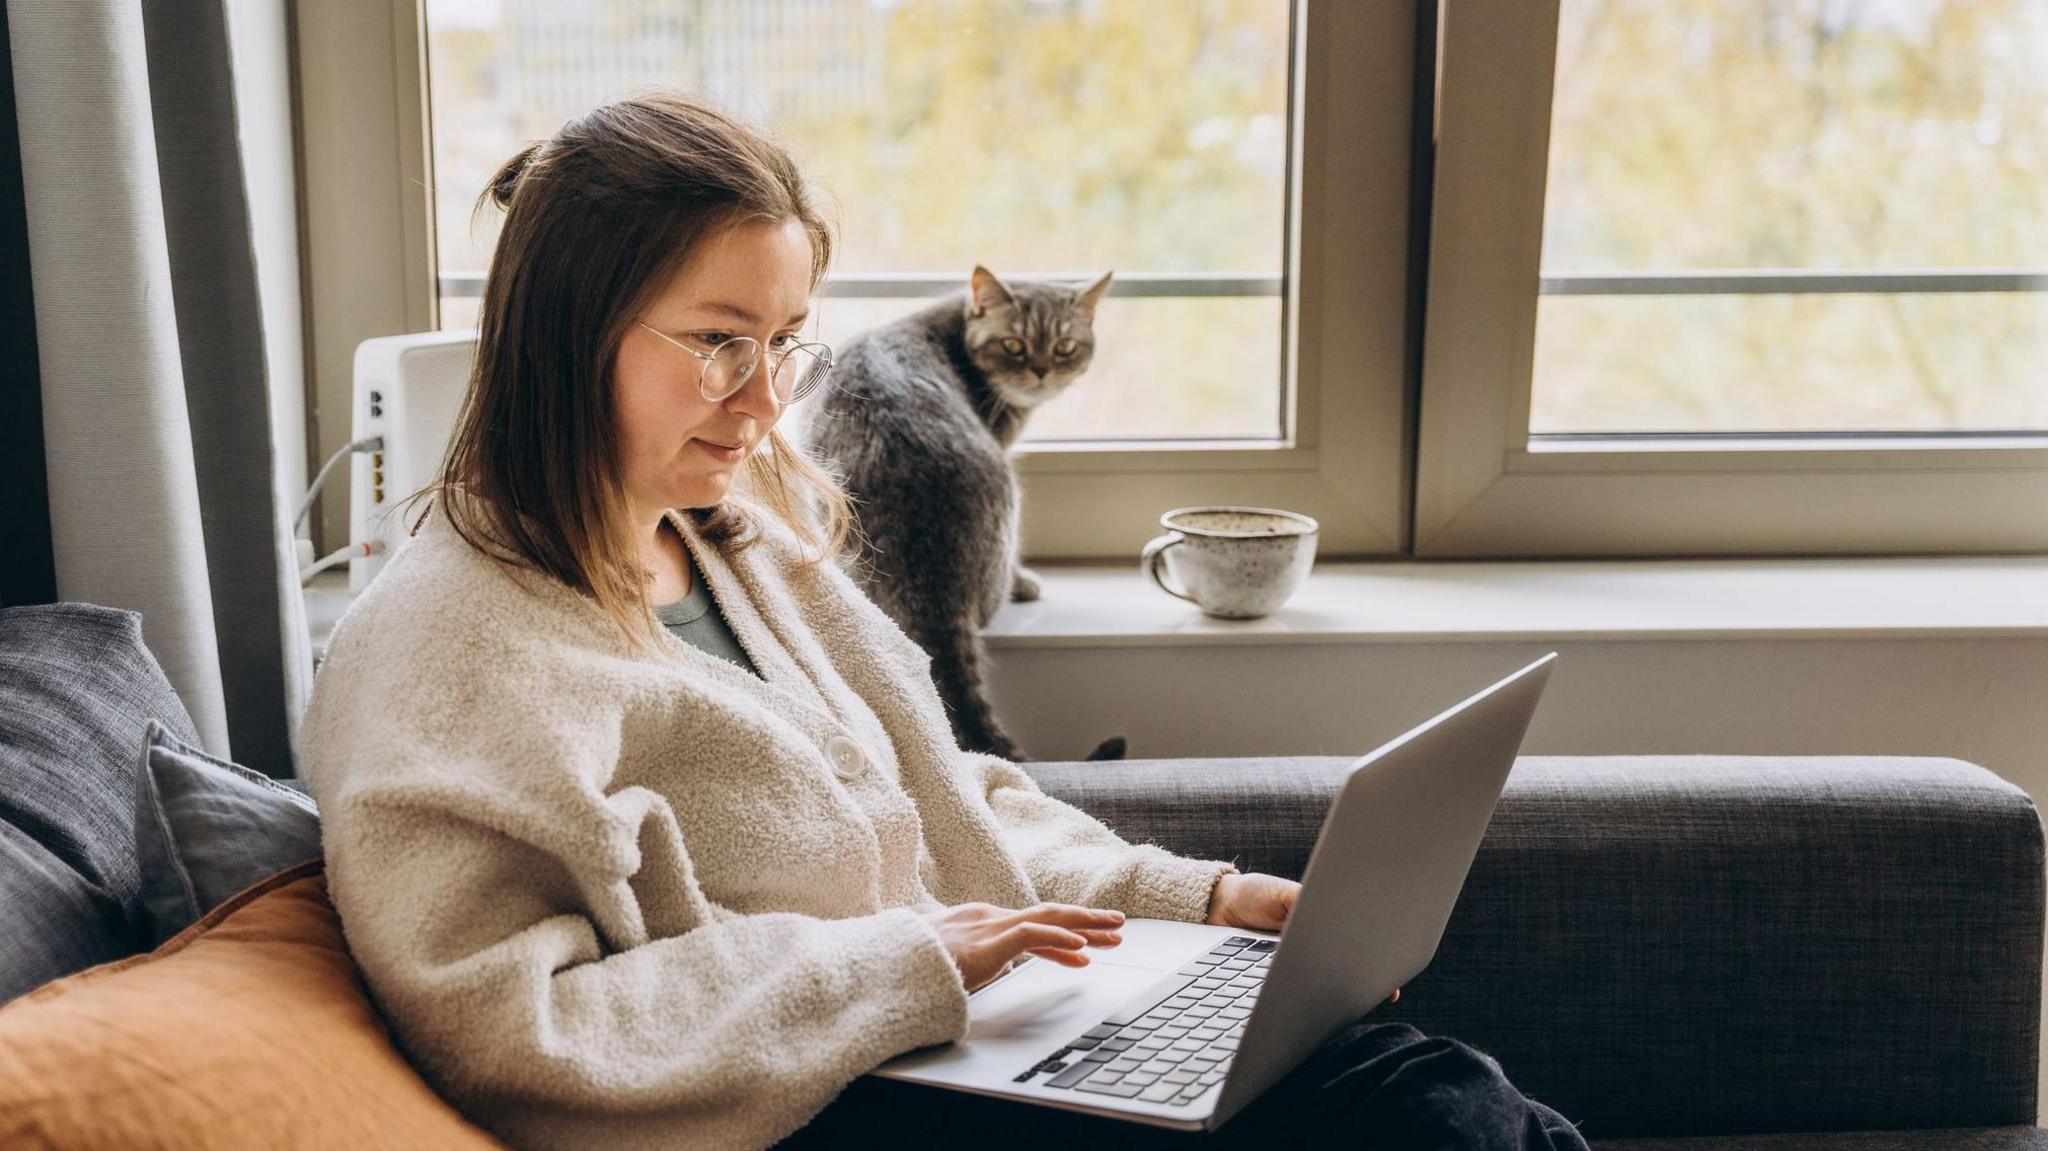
(598, 218)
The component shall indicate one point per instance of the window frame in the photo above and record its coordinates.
(366, 223)
(1345, 307)
(1485, 488)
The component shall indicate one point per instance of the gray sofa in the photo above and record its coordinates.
(1657, 947)
(1701, 947)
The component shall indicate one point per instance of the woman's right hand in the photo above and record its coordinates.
(984, 938)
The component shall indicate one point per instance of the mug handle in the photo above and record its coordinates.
(1149, 559)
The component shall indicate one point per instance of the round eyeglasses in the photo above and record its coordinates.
(793, 372)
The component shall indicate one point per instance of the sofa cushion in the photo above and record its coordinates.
(77, 688)
(206, 828)
(250, 1029)
(56, 922)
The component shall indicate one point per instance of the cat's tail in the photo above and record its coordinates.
(956, 670)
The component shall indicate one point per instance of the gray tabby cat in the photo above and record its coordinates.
(918, 424)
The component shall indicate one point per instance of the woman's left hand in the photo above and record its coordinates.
(1257, 901)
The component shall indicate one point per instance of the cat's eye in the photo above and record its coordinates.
(1063, 348)
(1013, 346)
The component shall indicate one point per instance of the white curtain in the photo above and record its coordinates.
(148, 327)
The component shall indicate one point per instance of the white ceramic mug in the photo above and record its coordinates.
(1233, 563)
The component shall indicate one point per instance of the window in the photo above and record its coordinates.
(1738, 276)
(1825, 238)
(1036, 138)
(1696, 276)
(1243, 165)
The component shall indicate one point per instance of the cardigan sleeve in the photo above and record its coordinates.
(495, 971)
(1071, 857)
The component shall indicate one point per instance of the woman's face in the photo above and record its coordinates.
(676, 448)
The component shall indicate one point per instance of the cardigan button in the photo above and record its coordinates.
(848, 760)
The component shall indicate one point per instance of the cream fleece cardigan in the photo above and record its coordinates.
(619, 900)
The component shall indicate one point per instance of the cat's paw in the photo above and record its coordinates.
(1025, 587)
(1115, 747)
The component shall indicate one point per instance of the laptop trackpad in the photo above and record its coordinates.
(1022, 1018)
(1050, 1004)
(1035, 1009)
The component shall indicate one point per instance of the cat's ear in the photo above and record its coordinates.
(1094, 293)
(984, 291)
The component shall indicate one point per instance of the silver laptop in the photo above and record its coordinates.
(1182, 1024)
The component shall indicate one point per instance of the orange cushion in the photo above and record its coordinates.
(249, 1029)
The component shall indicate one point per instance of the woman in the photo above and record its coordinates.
(620, 883)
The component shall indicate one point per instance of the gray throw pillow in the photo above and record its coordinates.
(206, 828)
(77, 686)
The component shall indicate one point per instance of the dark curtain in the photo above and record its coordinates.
(27, 571)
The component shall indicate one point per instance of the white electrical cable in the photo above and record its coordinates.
(366, 444)
(339, 555)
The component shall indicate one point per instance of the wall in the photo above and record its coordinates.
(1985, 700)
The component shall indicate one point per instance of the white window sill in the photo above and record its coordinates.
(1102, 605)
(1093, 605)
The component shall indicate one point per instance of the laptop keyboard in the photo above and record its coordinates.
(1176, 1041)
